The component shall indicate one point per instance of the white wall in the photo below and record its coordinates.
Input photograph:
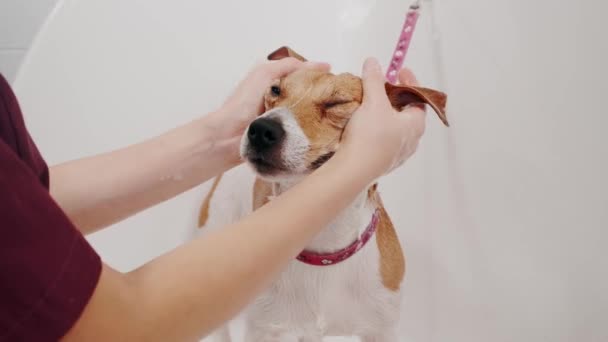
(19, 23)
(503, 215)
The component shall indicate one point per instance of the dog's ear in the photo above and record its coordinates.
(401, 96)
(284, 52)
(203, 214)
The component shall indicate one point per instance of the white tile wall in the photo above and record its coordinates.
(20, 20)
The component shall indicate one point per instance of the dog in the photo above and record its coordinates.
(347, 281)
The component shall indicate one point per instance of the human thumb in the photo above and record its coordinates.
(373, 80)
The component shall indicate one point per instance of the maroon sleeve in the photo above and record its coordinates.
(48, 271)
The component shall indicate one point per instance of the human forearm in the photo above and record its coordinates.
(193, 289)
(253, 251)
(100, 190)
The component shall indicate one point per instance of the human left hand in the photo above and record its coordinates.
(247, 100)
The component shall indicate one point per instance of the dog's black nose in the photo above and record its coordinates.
(264, 133)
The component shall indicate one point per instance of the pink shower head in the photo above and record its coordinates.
(403, 44)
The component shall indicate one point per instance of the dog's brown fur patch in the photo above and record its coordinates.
(203, 215)
(321, 103)
(392, 259)
(261, 192)
(401, 96)
(284, 52)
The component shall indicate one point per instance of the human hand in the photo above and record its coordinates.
(247, 100)
(378, 134)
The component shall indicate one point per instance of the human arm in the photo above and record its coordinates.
(190, 291)
(98, 191)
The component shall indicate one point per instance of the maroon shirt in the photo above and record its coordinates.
(48, 271)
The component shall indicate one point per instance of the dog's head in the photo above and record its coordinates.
(306, 113)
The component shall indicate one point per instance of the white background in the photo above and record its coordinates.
(20, 20)
(502, 216)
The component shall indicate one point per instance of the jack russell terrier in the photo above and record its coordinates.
(347, 281)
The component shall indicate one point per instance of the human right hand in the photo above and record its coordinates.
(377, 136)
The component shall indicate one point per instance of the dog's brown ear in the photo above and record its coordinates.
(284, 52)
(401, 96)
(203, 214)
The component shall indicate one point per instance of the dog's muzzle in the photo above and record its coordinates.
(264, 141)
(265, 134)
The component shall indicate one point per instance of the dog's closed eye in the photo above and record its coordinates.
(335, 103)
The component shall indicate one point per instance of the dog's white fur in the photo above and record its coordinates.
(341, 300)
(294, 149)
(346, 299)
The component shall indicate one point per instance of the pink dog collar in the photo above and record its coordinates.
(320, 259)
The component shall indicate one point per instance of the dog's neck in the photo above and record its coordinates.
(344, 229)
